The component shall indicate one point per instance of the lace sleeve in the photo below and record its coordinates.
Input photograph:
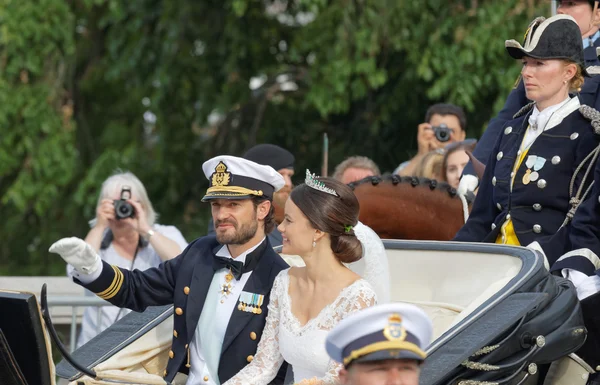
(373, 266)
(362, 296)
(267, 360)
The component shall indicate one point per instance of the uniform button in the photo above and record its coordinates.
(186, 290)
(499, 206)
(519, 152)
(205, 378)
(165, 373)
(499, 155)
(508, 217)
(253, 336)
(512, 174)
(537, 207)
(171, 354)
(186, 346)
(493, 181)
(175, 333)
(537, 229)
(541, 183)
(179, 311)
(555, 160)
(507, 130)
(250, 358)
(574, 135)
(493, 226)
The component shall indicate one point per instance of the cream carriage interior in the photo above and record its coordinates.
(497, 316)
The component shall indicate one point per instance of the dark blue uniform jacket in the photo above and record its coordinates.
(184, 282)
(538, 208)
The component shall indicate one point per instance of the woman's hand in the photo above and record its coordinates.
(139, 221)
(105, 212)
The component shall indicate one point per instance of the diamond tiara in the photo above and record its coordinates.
(312, 182)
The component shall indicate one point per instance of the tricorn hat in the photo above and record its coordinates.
(557, 37)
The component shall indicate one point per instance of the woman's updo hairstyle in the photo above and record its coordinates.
(335, 215)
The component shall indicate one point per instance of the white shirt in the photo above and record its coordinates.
(540, 121)
(213, 322)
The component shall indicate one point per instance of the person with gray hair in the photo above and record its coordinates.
(125, 233)
(355, 168)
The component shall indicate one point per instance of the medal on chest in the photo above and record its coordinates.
(251, 302)
(227, 286)
(536, 163)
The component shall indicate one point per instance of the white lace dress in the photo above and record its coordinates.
(302, 346)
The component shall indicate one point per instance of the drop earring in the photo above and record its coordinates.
(314, 243)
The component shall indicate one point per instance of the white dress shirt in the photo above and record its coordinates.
(205, 348)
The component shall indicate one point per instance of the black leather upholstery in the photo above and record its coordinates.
(23, 343)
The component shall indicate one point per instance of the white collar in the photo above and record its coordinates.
(552, 116)
(224, 252)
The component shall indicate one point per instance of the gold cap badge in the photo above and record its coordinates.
(221, 177)
(394, 330)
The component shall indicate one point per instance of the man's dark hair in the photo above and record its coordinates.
(447, 109)
(270, 218)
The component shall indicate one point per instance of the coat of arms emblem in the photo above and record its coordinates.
(394, 330)
(221, 177)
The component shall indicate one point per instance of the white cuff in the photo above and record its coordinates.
(467, 183)
(86, 278)
(536, 246)
(585, 285)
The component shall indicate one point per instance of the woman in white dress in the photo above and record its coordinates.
(307, 302)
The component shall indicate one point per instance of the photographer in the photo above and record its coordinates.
(125, 234)
(444, 124)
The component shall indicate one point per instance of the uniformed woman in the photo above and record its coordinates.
(536, 175)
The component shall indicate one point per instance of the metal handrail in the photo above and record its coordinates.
(74, 301)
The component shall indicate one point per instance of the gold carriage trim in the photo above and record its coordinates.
(384, 345)
(232, 191)
(114, 287)
(474, 365)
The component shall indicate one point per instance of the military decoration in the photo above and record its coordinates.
(227, 286)
(536, 163)
(251, 302)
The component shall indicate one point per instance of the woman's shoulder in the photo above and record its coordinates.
(361, 288)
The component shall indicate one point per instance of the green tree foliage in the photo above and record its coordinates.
(157, 87)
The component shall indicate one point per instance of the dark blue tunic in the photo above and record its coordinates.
(537, 209)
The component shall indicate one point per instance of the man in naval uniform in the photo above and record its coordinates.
(219, 286)
(588, 24)
(381, 345)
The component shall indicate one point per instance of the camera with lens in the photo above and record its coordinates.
(124, 209)
(442, 132)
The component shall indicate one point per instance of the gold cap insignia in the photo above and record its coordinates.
(221, 177)
(394, 330)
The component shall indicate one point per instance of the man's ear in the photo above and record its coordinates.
(596, 14)
(262, 210)
(343, 375)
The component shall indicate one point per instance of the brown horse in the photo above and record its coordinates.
(409, 207)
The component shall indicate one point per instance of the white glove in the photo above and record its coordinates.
(467, 183)
(78, 254)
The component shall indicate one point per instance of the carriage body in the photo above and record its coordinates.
(478, 296)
